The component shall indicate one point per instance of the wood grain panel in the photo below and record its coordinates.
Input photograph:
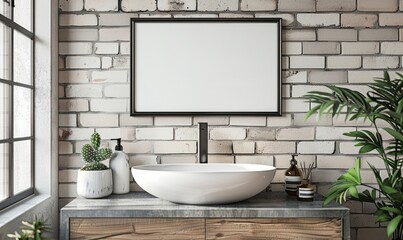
(137, 228)
(280, 228)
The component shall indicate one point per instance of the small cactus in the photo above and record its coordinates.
(93, 155)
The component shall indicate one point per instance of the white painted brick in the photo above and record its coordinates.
(169, 159)
(98, 120)
(307, 62)
(294, 76)
(261, 134)
(348, 148)
(106, 62)
(73, 76)
(378, 34)
(84, 90)
(142, 160)
(177, 5)
(305, 133)
(114, 34)
(299, 120)
(138, 147)
(323, 147)
(217, 5)
(82, 62)
(221, 159)
(344, 62)
(371, 233)
(335, 162)
(295, 105)
(78, 34)
(67, 120)
(358, 20)
(326, 77)
(67, 191)
(108, 105)
(186, 133)
(283, 161)
(172, 121)
(296, 5)
(101, 5)
(318, 20)
(198, 15)
(68, 176)
(75, 48)
(77, 133)
(70, 161)
(78, 146)
(155, 133)
(71, 5)
(299, 35)
(73, 105)
(286, 91)
(374, 5)
(117, 90)
(363, 76)
(332, 133)
(273, 147)
(278, 177)
(340, 121)
(392, 48)
(228, 133)
(116, 19)
(65, 147)
(374, 161)
(127, 120)
(286, 19)
(291, 48)
(78, 20)
(108, 133)
(244, 147)
(323, 176)
(128, 133)
(391, 19)
(335, 5)
(106, 48)
(121, 62)
(155, 15)
(212, 120)
(109, 76)
(255, 159)
(258, 5)
(380, 62)
(248, 121)
(321, 48)
(61, 63)
(139, 5)
(337, 34)
(176, 147)
(235, 15)
(124, 48)
(360, 48)
(220, 147)
(285, 62)
(298, 91)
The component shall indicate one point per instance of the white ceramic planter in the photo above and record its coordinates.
(94, 184)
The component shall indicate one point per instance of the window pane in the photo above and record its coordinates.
(22, 58)
(4, 171)
(4, 52)
(4, 110)
(22, 166)
(5, 8)
(22, 112)
(23, 13)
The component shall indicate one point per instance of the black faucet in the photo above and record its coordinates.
(203, 143)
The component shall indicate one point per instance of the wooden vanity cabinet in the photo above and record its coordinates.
(202, 228)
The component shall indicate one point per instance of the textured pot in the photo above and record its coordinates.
(94, 184)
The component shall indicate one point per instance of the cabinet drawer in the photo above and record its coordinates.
(137, 228)
(277, 228)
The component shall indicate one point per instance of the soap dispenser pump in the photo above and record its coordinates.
(119, 164)
(292, 177)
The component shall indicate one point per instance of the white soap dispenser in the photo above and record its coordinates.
(120, 169)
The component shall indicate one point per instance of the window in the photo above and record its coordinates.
(16, 101)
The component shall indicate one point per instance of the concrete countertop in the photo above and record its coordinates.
(141, 204)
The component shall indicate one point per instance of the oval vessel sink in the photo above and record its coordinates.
(203, 183)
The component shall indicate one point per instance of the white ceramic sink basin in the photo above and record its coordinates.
(203, 183)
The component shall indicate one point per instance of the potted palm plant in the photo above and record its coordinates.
(383, 103)
(94, 179)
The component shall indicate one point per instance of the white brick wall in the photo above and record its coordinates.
(343, 42)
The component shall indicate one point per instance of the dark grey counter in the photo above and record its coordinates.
(141, 205)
